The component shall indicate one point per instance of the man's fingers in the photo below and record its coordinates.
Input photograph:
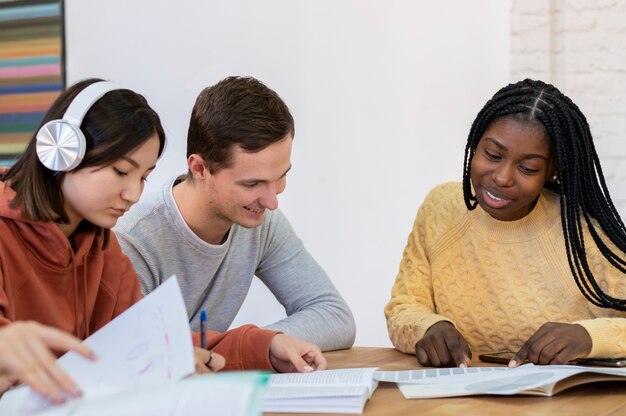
(310, 355)
(298, 362)
(291, 354)
(316, 359)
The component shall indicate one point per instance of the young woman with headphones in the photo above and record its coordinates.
(60, 265)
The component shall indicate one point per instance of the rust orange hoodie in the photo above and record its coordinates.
(79, 291)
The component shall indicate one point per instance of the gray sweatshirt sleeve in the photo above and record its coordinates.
(316, 312)
(135, 252)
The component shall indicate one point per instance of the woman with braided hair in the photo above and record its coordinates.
(527, 254)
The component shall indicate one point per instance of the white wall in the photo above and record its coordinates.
(383, 94)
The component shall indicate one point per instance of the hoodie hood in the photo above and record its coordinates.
(44, 239)
(43, 279)
(51, 256)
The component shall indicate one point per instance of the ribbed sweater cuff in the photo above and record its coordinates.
(432, 320)
(604, 334)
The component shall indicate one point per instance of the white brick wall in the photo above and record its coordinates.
(580, 47)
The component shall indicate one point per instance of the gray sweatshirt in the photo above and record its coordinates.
(217, 277)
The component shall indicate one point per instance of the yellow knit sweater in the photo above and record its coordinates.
(497, 281)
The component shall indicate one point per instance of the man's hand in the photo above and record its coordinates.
(207, 361)
(290, 355)
(554, 343)
(26, 356)
(443, 346)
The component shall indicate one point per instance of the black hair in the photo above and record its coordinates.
(115, 125)
(581, 184)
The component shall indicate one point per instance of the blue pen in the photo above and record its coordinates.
(203, 329)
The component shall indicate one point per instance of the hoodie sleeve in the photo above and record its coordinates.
(244, 348)
(4, 302)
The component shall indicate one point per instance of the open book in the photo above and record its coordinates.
(327, 391)
(142, 357)
(528, 379)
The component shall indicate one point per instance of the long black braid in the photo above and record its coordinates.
(581, 185)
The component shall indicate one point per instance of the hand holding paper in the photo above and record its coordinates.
(443, 346)
(150, 342)
(26, 356)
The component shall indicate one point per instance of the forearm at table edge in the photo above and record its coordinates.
(328, 328)
(244, 348)
(405, 331)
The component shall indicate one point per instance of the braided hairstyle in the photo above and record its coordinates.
(581, 185)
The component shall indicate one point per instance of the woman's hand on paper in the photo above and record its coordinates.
(26, 356)
(290, 355)
(554, 343)
(443, 346)
(207, 361)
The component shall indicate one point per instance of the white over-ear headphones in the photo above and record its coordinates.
(61, 144)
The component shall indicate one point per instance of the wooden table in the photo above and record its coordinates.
(602, 398)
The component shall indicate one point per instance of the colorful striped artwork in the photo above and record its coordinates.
(31, 69)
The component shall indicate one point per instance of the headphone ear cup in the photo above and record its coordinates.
(60, 145)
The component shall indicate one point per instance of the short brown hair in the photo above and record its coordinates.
(238, 111)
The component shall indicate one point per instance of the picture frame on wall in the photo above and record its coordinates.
(32, 69)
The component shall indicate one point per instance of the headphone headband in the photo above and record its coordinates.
(61, 143)
(85, 99)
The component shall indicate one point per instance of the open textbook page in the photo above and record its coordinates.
(140, 353)
(327, 391)
(527, 379)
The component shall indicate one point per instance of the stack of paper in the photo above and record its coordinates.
(329, 391)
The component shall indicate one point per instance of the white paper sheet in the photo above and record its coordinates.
(421, 376)
(485, 380)
(148, 343)
(233, 394)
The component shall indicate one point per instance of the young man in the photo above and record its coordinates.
(218, 226)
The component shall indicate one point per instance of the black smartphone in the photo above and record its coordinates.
(502, 357)
(505, 356)
(604, 362)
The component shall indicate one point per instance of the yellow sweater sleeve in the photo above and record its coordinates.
(411, 310)
(608, 329)
(608, 336)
